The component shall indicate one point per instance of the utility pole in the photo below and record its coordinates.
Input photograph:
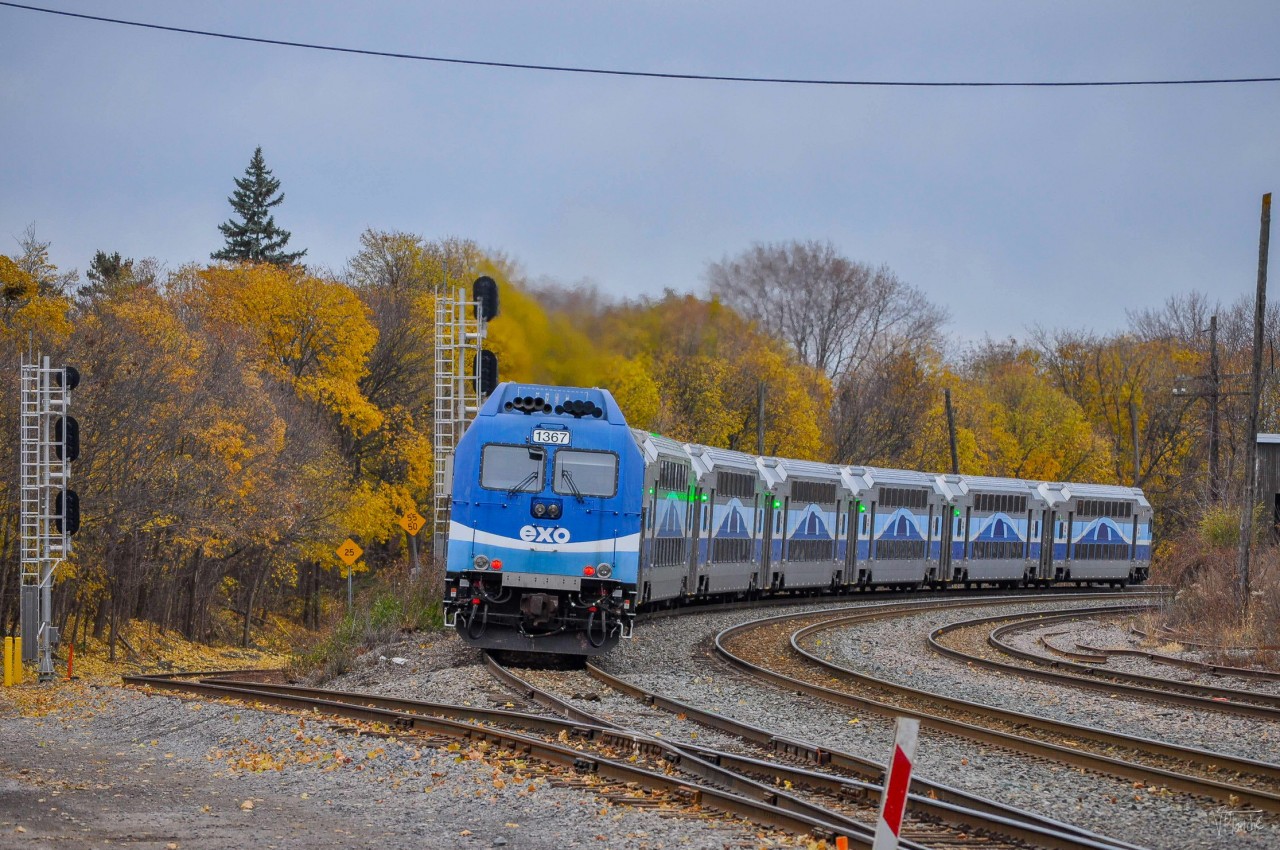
(1214, 394)
(951, 432)
(1209, 386)
(1133, 438)
(1251, 447)
(760, 419)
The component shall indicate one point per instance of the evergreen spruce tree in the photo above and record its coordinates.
(256, 238)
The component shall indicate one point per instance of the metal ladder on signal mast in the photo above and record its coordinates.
(460, 333)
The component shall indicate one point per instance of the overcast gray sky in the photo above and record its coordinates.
(1007, 206)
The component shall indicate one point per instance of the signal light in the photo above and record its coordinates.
(495, 564)
(70, 377)
(487, 369)
(66, 438)
(67, 507)
(862, 509)
(485, 292)
(588, 570)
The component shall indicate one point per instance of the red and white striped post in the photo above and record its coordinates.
(893, 802)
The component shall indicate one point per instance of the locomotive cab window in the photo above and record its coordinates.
(581, 473)
(516, 469)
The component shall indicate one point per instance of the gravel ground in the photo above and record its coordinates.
(671, 657)
(894, 650)
(112, 766)
(436, 667)
(97, 764)
(1115, 634)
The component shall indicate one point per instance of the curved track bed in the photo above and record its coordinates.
(937, 815)
(763, 647)
(1258, 704)
(609, 757)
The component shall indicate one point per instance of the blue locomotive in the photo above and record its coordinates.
(544, 532)
(565, 523)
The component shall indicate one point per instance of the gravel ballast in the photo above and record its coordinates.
(188, 787)
(116, 765)
(673, 656)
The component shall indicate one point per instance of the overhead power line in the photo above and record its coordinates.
(659, 75)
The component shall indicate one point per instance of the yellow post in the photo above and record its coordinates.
(8, 662)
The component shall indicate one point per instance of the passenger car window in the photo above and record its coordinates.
(517, 469)
(580, 473)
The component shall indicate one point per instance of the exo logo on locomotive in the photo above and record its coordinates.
(544, 534)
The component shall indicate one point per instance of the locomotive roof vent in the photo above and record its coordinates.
(529, 404)
(578, 409)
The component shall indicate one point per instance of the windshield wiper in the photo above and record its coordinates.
(528, 479)
(573, 488)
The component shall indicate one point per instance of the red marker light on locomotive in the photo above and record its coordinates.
(588, 570)
(475, 601)
(495, 564)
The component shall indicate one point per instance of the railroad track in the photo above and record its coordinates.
(764, 645)
(606, 767)
(1077, 672)
(1187, 663)
(937, 815)
(635, 769)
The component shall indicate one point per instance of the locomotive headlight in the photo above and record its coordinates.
(604, 570)
(539, 510)
(553, 511)
(481, 562)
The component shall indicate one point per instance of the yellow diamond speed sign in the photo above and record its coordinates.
(412, 522)
(349, 552)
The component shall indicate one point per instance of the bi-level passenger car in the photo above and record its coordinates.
(565, 523)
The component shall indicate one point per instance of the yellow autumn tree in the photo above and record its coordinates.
(631, 381)
(26, 307)
(1026, 428)
(311, 333)
(533, 346)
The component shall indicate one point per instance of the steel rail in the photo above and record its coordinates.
(991, 821)
(728, 776)
(1170, 635)
(1074, 655)
(818, 596)
(587, 726)
(1192, 664)
(1213, 789)
(1201, 697)
(370, 707)
(1008, 826)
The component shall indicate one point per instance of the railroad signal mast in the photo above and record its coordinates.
(465, 375)
(50, 509)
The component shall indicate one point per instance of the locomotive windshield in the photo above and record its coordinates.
(516, 469)
(581, 473)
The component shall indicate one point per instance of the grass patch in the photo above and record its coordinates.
(391, 606)
(1202, 565)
